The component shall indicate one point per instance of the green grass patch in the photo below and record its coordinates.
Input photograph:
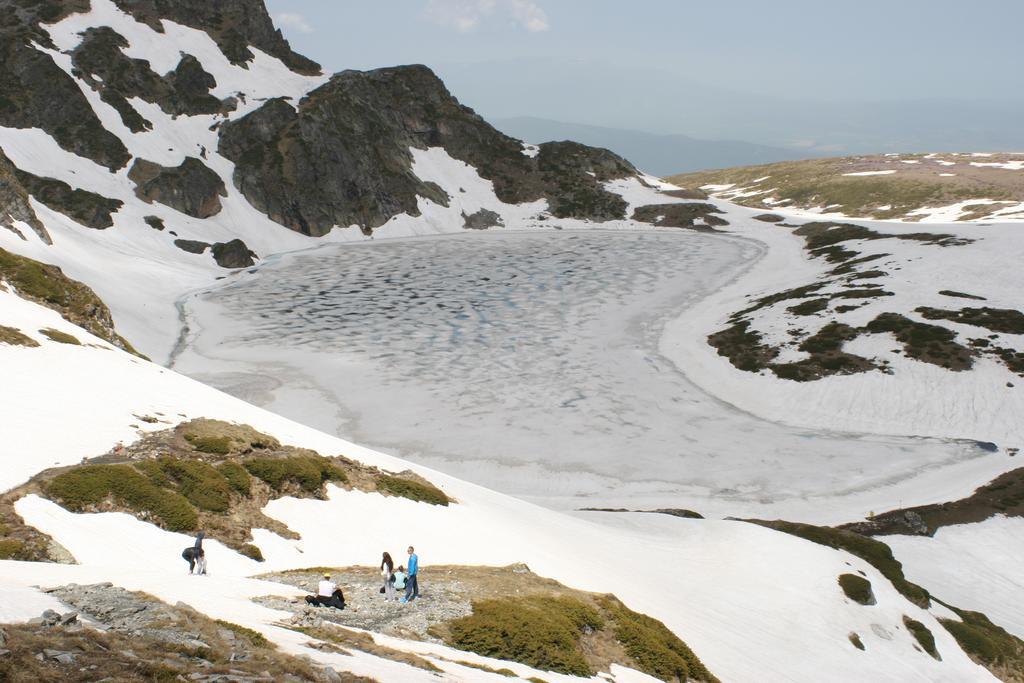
(255, 638)
(203, 485)
(413, 490)
(984, 641)
(872, 551)
(540, 631)
(922, 635)
(216, 445)
(307, 472)
(11, 549)
(857, 588)
(14, 337)
(83, 487)
(656, 650)
(238, 477)
(60, 337)
(251, 551)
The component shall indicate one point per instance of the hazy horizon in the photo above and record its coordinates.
(796, 75)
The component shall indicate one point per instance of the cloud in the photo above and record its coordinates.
(293, 21)
(466, 16)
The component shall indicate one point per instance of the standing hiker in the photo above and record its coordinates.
(387, 571)
(412, 588)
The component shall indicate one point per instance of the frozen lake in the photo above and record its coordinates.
(529, 363)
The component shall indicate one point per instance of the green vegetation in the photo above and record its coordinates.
(14, 337)
(76, 303)
(307, 472)
(218, 445)
(1005, 320)
(60, 337)
(874, 552)
(656, 650)
(237, 476)
(251, 551)
(857, 588)
(11, 549)
(204, 486)
(540, 631)
(984, 641)
(927, 343)
(922, 635)
(255, 638)
(83, 487)
(412, 489)
(855, 639)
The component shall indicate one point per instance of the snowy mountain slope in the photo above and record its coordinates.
(925, 188)
(732, 583)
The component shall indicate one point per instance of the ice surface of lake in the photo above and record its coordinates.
(528, 363)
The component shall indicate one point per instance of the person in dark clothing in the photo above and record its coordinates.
(328, 595)
(195, 555)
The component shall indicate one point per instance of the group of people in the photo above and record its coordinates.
(398, 579)
(328, 594)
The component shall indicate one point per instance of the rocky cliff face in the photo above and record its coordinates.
(341, 157)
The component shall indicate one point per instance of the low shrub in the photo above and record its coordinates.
(11, 549)
(251, 551)
(14, 337)
(656, 650)
(983, 640)
(255, 638)
(857, 588)
(216, 445)
(922, 635)
(540, 631)
(237, 476)
(200, 482)
(153, 470)
(90, 485)
(60, 337)
(308, 472)
(855, 640)
(411, 489)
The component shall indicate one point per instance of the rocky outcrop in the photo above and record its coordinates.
(87, 208)
(191, 187)
(192, 246)
(48, 286)
(14, 203)
(100, 62)
(235, 25)
(233, 254)
(481, 220)
(680, 215)
(21, 20)
(36, 93)
(342, 157)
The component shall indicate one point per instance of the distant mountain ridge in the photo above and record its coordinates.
(659, 154)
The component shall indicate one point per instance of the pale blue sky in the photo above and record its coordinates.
(530, 57)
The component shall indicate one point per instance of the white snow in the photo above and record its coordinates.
(866, 173)
(973, 566)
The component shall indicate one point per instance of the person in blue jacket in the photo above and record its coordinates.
(412, 588)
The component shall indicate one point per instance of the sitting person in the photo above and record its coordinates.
(399, 578)
(327, 595)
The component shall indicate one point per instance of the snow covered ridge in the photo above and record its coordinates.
(719, 600)
(913, 188)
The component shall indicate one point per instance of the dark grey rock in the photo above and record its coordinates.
(50, 617)
(482, 219)
(14, 203)
(233, 24)
(191, 187)
(36, 93)
(86, 208)
(192, 246)
(684, 215)
(233, 254)
(154, 222)
(342, 157)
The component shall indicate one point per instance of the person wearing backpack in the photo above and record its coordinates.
(327, 594)
(195, 555)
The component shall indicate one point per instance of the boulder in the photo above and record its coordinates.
(233, 254)
(191, 187)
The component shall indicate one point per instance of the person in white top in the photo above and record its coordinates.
(327, 594)
(387, 572)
